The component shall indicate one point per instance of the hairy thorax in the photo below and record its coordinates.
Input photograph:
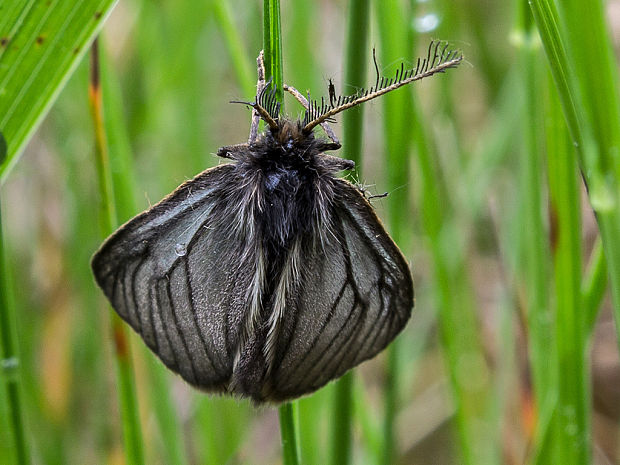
(291, 176)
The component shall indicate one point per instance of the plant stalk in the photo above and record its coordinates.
(272, 49)
(132, 432)
(9, 358)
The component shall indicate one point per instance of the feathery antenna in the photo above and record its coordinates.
(266, 104)
(438, 59)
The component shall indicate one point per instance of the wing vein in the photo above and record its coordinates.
(165, 329)
(190, 296)
(179, 329)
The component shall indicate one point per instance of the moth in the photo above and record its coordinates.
(269, 276)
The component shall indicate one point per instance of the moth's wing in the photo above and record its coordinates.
(356, 296)
(169, 271)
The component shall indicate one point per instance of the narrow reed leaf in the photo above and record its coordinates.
(132, 430)
(594, 285)
(123, 182)
(356, 59)
(595, 129)
(571, 427)
(546, 17)
(341, 434)
(244, 71)
(577, 43)
(9, 361)
(534, 271)
(289, 432)
(272, 48)
(586, 32)
(3, 148)
(397, 133)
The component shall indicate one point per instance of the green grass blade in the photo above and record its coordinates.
(533, 234)
(9, 359)
(546, 17)
(577, 42)
(41, 43)
(571, 444)
(123, 182)
(356, 64)
(289, 431)
(301, 42)
(132, 431)
(272, 46)
(3, 148)
(397, 142)
(458, 325)
(594, 285)
(243, 71)
(355, 77)
(589, 45)
(224, 421)
(578, 33)
(341, 429)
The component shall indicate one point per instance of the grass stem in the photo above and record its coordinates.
(9, 357)
(356, 59)
(289, 432)
(132, 431)
(572, 422)
(272, 47)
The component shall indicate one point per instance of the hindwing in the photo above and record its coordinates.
(356, 295)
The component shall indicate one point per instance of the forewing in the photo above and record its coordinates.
(356, 296)
(173, 275)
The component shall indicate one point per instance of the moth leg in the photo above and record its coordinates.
(260, 85)
(301, 99)
(233, 152)
(337, 163)
(365, 191)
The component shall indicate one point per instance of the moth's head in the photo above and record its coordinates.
(288, 141)
(289, 134)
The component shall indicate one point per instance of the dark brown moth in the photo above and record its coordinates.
(269, 276)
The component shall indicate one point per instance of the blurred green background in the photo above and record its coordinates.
(511, 355)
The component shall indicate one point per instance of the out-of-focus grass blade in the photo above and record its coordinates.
(244, 72)
(355, 76)
(123, 180)
(571, 427)
(594, 285)
(3, 147)
(132, 429)
(9, 362)
(593, 126)
(534, 243)
(272, 45)
(40, 45)
(397, 142)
